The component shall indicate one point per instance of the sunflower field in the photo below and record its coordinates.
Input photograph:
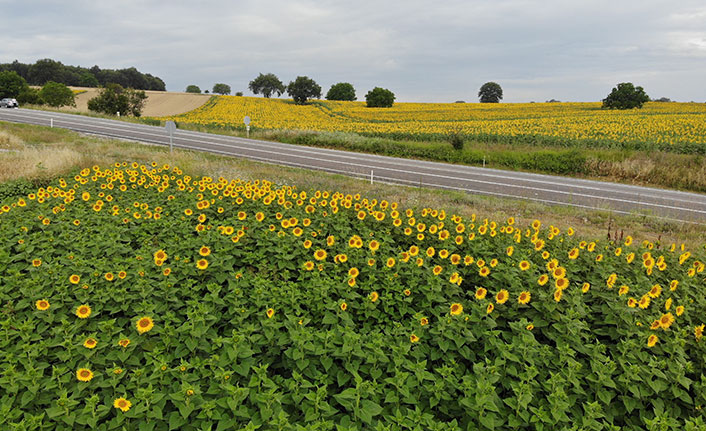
(679, 127)
(136, 297)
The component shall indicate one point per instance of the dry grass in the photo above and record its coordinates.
(42, 153)
(158, 104)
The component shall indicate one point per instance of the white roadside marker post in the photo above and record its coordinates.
(246, 120)
(171, 128)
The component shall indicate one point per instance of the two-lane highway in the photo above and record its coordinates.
(619, 198)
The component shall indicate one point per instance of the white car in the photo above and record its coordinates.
(9, 103)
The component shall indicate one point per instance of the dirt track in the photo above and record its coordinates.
(158, 104)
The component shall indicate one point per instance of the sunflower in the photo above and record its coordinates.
(270, 312)
(353, 272)
(699, 331)
(84, 375)
(666, 320)
(644, 301)
(374, 245)
(456, 309)
(42, 304)
(390, 262)
(679, 310)
(524, 297)
(413, 338)
(489, 309)
(204, 251)
(74, 279)
(124, 342)
(483, 272)
(122, 404)
(623, 290)
(202, 264)
(109, 276)
(144, 324)
(652, 340)
(423, 321)
(502, 296)
(343, 306)
(585, 287)
(673, 285)
(437, 270)
(529, 327)
(83, 311)
(309, 265)
(374, 296)
(122, 275)
(557, 294)
(655, 291)
(90, 343)
(655, 325)
(430, 252)
(524, 265)
(561, 283)
(36, 262)
(574, 253)
(481, 292)
(320, 254)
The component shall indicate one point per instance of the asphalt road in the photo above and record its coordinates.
(618, 198)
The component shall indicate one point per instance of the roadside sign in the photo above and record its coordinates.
(171, 128)
(246, 120)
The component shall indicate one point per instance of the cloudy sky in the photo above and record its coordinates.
(571, 50)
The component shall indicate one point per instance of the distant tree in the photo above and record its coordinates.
(11, 84)
(303, 88)
(267, 85)
(379, 98)
(221, 89)
(460, 101)
(87, 79)
(626, 96)
(56, 95)
(193, 89)
(114, 98)
(239, 93)
(341, 91)
(45, 70)
(662, 99)
(206, 91)
(553, 101)
(490, 92)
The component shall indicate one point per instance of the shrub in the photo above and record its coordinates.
(193, 89)
(57, 95)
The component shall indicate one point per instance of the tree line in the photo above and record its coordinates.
(45, 70)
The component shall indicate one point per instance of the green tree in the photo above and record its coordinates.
(341, 91)
(380, 98)
(11, 84)
(56, 95)
(267, 85)
(221, 89)
(30, 96)
(626, 96)
(87, 79)
(302, 89)
(114, 98)
(490, 92)
(193, 89)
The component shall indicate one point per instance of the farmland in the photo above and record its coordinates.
(672, 127)
(139, 296)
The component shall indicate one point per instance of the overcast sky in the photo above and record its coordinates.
(424, 51)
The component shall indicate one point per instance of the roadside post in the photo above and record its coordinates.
(246, 120)
(171, 128)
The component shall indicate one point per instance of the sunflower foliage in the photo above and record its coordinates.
(138, 297)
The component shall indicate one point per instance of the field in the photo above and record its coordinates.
(137, 296)
(674, 127)
(158, 102)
